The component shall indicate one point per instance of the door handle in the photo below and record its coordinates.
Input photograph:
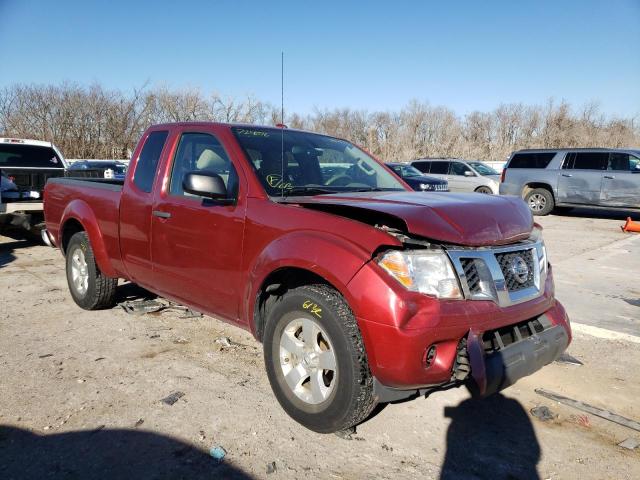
(160, 214)
(567, 175)
(609, 177)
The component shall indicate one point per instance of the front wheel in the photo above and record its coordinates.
(484, 189)
(316, 361)
(89, 288)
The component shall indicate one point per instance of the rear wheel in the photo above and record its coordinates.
(315, 360)
(484, 189)
(89, 288)
(540, 201)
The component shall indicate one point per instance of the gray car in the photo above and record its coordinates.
(462, 175)
(597, 177)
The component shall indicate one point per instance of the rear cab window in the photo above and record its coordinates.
(148, 160)
(16, 155)
(531, 160)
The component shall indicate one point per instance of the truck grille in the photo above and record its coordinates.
(507, 263)
(505, 275)
(471, 273)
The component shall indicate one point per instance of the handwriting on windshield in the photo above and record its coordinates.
(275, 181)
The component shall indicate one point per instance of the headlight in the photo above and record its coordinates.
(425, 186)
(423, 271)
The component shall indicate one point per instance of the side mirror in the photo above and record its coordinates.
(209, 185)
(469, 173)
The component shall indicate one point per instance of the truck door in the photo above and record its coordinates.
(580, 178)
(621, 181)
(135, 209)
(197, 242)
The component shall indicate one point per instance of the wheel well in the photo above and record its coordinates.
(70, 228)
(275, 286)
(533, 185)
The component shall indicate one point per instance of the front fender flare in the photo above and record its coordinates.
(329, 256)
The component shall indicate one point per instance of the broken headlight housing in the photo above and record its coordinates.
(425, 271)
(536, 236)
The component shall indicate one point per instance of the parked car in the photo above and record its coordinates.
(361, 291)
(97, 169)
(462, 175)
(595, 177)
(416, 180)
(25, 167)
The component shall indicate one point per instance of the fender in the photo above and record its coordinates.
(81, 211)
(327, 255)
(530, 185)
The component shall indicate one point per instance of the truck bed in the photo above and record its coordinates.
(101, 199)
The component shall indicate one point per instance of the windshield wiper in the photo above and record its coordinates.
(308, 191)
(373, 189)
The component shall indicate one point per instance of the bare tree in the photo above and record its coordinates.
(93, 122)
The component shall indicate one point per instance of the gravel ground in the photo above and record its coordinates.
(81, 391)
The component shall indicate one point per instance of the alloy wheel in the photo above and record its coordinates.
(308, 360)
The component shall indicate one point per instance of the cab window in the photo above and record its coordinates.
(589, 161)
(458, 168)
(148, 160)
(202, 153)
(623, 162)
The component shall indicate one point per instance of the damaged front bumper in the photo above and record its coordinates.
(497, 358)
(498, 369)
(494, 369)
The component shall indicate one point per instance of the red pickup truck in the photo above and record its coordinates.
(360, 290)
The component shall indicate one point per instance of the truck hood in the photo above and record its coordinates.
(468, 219)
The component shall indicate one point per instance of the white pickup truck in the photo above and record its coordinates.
(25, 167)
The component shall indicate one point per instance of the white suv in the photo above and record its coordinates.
(462, 175)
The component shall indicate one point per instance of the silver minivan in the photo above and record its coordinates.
(462, 175)
(598, 177)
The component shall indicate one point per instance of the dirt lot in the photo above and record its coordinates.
(80, 391)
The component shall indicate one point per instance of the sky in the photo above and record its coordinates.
(371, 55)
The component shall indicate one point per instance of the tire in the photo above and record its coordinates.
(540, 201)
(304, 327)
(484, 189)
(89, 288)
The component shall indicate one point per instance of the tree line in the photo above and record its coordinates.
(95, 122)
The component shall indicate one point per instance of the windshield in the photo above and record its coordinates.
(313, 164)
(406, 171)
(483, 169)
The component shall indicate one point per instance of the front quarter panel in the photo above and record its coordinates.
(279, 236)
